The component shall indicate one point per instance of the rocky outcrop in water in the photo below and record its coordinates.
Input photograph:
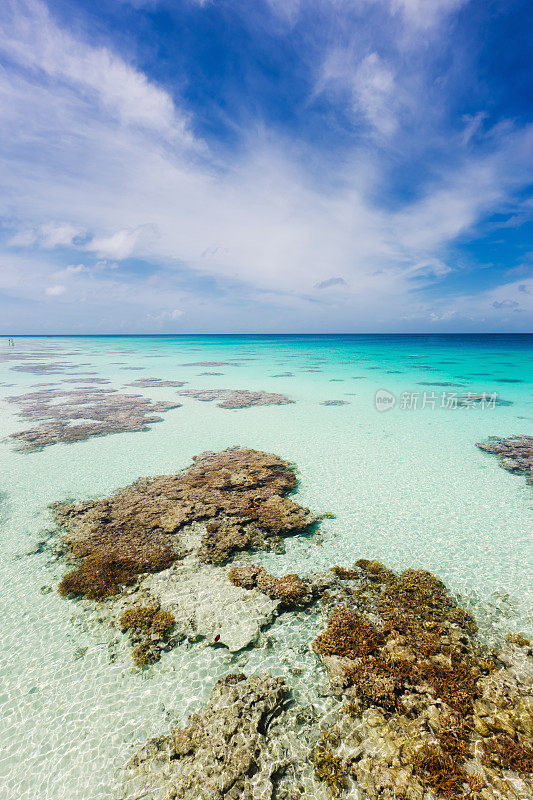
(85, 380)
(221, 753)
(73, 416)
(422, 711)
(478, 400)
(418, 709)
(236, 398)
(516, 453)
(211, 363)
(205, 604)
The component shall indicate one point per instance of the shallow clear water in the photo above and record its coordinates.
(407, 486)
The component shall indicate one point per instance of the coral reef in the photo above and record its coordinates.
(437, 714)
(145, 620)
(241, 494)
(210, 364)
(236, 398)
(98, 411)
(220, 754)
(482, 399)
(144, 383)
(144, 655)
(516, 453)
(344, 574)
(289, 589)
(518, 638)
(149, 628)
(51, 368)
(349, 635)
(85, 380)
(417, 709)
(329, 768)
(103, 575)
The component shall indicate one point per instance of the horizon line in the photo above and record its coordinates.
(353, 333)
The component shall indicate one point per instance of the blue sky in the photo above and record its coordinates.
(265, 165)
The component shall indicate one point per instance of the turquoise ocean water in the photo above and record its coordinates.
(407, 486)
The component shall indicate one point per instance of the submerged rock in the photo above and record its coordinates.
(51, 368)
(416, 708)
(516, 453)
(211, 364)
(205, 605)
(221, 753)
(479, 399)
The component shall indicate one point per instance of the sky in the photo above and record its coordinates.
(264, 166)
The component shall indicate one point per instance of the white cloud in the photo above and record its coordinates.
(424, 13)
(48, 235)
(473, 124)
(165, 315)
(29, 35)
(375, 94)
(122, 243)
(55, 291)
(501, 306)
(75, 269)
(264, 224)
(417, 14)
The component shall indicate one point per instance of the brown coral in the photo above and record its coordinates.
(328, 767)
(240, 493)
(145, 620)
(99, 412)
(422, 662)
(151, 626)
(242, 490)
(505, 752)
(290, 589)
(144, 655)
(236, 398)
(349, 635)
(103, 575)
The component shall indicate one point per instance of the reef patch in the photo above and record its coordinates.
(516, 453)
(290, 590)
(236, 398)
(145, 383)
(44, 369)
(211, 364)
(240, 496)
(437, 716)
(73, 416)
